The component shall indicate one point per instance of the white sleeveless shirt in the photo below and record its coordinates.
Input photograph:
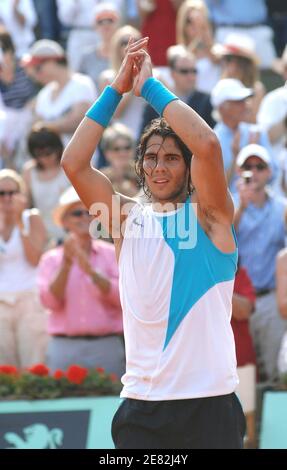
(16, 274)
(176, 291)
(46, 196)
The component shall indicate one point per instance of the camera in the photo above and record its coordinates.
(247, 176)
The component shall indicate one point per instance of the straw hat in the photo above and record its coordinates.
(237, 45)
(67, 199)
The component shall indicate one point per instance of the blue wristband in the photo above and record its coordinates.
(103, 109)
(157, 95)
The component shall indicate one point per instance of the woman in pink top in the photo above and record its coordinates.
(78, 283)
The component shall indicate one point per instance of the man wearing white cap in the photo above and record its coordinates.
(260, 222)
(230, 98)
(65, 96)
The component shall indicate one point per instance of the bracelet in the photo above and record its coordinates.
(103, 109)
(157, 95)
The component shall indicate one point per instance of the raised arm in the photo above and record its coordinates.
(207, 171)
(91, 185)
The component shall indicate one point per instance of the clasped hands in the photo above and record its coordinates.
(74, 252)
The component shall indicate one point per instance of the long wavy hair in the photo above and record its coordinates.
(183, 11)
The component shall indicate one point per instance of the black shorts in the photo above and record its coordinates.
(198, 423)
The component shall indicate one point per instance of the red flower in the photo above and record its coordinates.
(113, 378)
(59, 374)
(8, 370)
(100, 370)
(39, 369)
(76, 374)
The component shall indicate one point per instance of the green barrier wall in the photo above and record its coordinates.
(274, 421)
(76, 423)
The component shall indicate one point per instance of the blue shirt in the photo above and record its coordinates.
(260, 235)
(242, 12)
(225, 136)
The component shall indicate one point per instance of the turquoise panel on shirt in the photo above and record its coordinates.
(198, 264)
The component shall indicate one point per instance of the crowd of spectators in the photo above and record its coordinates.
(59, 299)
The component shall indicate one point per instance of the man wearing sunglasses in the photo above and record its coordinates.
(78, 284)
(230, 98)
(260, 222)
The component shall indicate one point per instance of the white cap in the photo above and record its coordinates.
(252, 150)
(67, 199)
(42, 50)
(105, 7)
(229, 89)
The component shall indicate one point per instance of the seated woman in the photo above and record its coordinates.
(78, 283)
(45, 179)
(118, 146)
(23, 337)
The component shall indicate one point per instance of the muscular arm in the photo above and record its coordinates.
(91, 185)
(207, 170)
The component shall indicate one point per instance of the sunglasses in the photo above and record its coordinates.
(47, 152)
(37, 67)
(231, 58)
(191, 70)
(257, 166)
(79, 213)
(105, 21)
(8, 193)
(121, 149)
(124, 42)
